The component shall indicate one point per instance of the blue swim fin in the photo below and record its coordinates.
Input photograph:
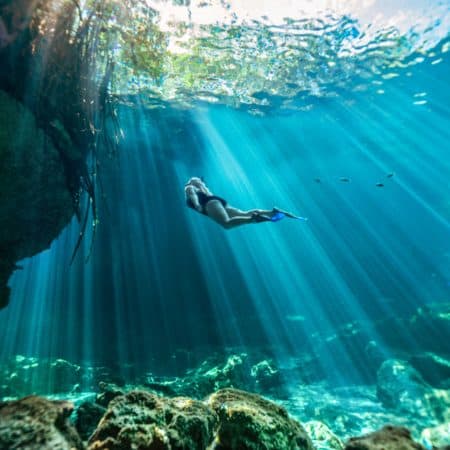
(296, 217)
(277, 216)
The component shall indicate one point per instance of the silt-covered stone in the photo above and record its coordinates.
(250, 422)
(35, 423)
(143, 421)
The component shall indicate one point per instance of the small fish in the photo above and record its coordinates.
(317, 180)
(344, 179)
(390, 175)
(379, 185)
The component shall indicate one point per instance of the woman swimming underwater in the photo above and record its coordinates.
(202, 200)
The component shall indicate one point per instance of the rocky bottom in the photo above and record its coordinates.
(141, 420)
(229, 401)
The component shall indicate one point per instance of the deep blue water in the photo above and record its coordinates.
(161, 277)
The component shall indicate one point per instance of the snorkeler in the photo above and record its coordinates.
(202, 200)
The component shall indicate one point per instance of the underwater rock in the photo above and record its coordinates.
(34, 423)
(212, 374)
(400, 386)
(59, 135)
(351, 410)
(322, 437)
(162, 387)
(233, 372)
(388, 438)
(249, 372)
(88, 416)
(143, 421)
(250, 422)
(109, 391)
(438, 436)
(434, 368)
(94, 375)
(266, 375)
(437, 402)
(228, 419)
(334, 352)
(14, 19)
(430, 326)
(35, 202)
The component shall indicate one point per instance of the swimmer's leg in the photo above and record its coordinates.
(235, 212)
(219, 214)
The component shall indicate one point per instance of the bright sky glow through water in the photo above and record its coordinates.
(240, 53)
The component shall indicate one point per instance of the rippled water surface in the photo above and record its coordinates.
(284, 56)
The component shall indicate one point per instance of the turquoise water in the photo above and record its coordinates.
(160, 274)
(161, 279)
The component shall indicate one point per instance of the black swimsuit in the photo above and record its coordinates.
(203, 199)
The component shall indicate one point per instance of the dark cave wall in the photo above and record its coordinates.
(35, 202)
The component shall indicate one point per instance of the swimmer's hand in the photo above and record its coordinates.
(192, 195)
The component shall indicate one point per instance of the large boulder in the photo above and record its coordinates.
(227, 420)
(35, 201)
(143, 421)
(250, 422)
(34, 423)
(388, 438)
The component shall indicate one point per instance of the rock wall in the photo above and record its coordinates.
(35, 201)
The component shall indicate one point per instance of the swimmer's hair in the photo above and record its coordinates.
(193, 178)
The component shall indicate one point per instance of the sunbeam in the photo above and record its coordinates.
(205, 199)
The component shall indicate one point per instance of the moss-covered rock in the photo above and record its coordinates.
(35, 202)
(228, 420)
(250, 422)
(88, 416)
(34, 423)
(143, 421)
(388, 438)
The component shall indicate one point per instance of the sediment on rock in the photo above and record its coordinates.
(34, 423)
